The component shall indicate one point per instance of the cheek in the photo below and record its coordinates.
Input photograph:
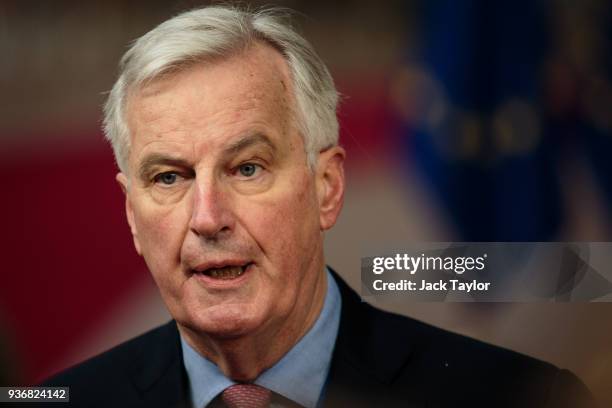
(160, 233)
(287, 222)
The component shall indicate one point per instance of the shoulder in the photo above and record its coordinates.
(367, 329)
(471, 371)
(437, 347)
(115, 361)
(414, 360)
(123, 372)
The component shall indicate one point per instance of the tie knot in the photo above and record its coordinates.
(246, 396)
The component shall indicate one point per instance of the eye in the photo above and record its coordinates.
(167, 178)
(248, 169)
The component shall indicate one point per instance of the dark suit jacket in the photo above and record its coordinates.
(380, 360)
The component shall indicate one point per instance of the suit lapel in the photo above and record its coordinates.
(368, 356)
(158, 372)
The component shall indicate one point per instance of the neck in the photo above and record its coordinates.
(244, 358)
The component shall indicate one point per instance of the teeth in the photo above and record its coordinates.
(227, 272)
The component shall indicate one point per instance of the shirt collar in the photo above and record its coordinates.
(300, 375)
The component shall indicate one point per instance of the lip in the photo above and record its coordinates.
(212, 283)
(220, 264)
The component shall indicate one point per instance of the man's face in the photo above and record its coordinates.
(220, 200)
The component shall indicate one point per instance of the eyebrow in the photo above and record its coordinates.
(249, 141)
(157, 159)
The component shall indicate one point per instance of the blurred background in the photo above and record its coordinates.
(463, 121)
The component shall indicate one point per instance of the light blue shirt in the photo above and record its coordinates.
(300, 375)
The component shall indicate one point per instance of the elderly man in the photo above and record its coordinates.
(223, 123)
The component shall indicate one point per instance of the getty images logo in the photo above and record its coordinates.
(413, 264)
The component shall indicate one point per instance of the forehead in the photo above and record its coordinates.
(214, 99)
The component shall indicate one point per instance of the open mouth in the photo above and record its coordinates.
(228, 272)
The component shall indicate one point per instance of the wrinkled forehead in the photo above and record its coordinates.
(212, 101)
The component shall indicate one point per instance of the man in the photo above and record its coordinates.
(223, 123)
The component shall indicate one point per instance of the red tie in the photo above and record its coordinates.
(246, 396)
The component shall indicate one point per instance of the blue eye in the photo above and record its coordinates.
(247, 169)
(168, 178)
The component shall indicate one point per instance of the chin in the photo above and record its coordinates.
(225, 321)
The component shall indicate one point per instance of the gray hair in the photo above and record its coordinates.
(218, 31)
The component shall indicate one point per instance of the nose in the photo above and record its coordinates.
(211, 215)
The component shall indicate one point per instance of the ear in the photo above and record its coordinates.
(330, 185)
(123, 183)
